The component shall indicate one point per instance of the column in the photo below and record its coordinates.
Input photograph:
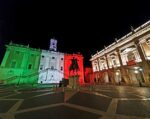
(36, 64)
(140, 51)
(108, 73)
(24, 60)
(5, 58)
(120, 60)
(106, 61)
(98, 64)
(93, 66)
(145, 64)
(123, 72)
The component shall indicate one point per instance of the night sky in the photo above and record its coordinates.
(78, 26)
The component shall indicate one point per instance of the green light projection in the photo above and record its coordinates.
(20, 65)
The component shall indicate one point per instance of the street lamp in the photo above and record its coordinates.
(142, 74)
(136, 74)
(117, 74)
(140, 69)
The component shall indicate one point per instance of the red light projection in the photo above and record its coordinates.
(88, 75)
(131, 62)
(73, 66)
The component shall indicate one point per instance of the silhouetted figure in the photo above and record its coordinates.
(74, 65)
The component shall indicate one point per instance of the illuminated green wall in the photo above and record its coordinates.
(20, 64)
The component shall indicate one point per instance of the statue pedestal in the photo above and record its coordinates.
(73, 82)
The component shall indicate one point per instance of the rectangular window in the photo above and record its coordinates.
(41, 67)
(114, 62)
(61, 68)
(29, 66)
(17, 52)
(52, 67)
(13, 64)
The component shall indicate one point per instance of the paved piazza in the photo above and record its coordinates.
(100, 102)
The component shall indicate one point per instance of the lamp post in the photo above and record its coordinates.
(136, 74)
(117, 76)
(142, 74)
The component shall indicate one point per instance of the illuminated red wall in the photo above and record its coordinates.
(88, 75)
(68, 62)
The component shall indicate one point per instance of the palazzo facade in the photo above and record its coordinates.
(125, 61)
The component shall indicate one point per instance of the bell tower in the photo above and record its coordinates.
(53, 45)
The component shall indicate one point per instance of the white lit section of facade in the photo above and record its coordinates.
(102, 63)
(51, 69)
(114, 59)
(124, 58)
(109, 61)
(123, 55)
(145, 46)
(137, 56)
(95, 65)
(124, 40)
(129, 52)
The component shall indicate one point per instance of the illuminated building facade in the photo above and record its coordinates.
(126, 61)
(88, 75)
(24, 65)
(73, 66)
(51, 67)
(20, 64)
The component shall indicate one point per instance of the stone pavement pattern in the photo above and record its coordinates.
(104, 102)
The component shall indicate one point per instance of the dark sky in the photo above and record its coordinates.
(78, 26)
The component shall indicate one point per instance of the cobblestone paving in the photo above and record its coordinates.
(58, 112)
(5, 105)
(102, 102)
(134, 107)
(90, 100)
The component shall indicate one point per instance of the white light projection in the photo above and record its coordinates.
(51, 68)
